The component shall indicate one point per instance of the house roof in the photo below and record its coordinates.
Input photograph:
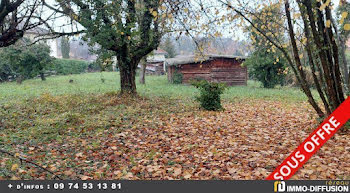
(228, 56)
(185, 60)
(38, 31)
(190, 59)
(154, 61)
(160, 51)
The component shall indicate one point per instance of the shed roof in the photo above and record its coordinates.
(190, 59)
(185, 60)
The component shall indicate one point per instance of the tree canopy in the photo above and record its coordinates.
(130, 29)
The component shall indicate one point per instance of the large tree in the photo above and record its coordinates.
(131, 29)
(267, 64)
(312, 41)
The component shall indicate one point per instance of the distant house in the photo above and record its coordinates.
(158, 55)
(78, 48)
(213, 68)
(34, 33)
(155, 62)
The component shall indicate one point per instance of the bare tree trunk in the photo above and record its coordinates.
(303, 83)
(311, 61)
(344, 62)
(42, 76)
(342, 43)
(19, 79)
(143, 71)
(335, 51)
(324, 54)
(127, 77)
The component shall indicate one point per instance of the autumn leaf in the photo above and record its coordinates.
(14, 167)
(187, 175)
(69, 172)
(80, 154)
(232, 170)
(154, 13)
(344, 15)
(324, 5)
(114, 147)
(347, 27)
(177, 171)
(15, 178)
(85, 178)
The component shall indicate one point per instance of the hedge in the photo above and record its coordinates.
(69, 66)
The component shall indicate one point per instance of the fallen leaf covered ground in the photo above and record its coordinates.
(108, 137)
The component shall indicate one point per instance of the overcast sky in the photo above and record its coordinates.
(231, 32)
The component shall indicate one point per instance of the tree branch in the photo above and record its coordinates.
(30, 162)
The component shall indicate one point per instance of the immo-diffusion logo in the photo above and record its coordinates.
(279, 186)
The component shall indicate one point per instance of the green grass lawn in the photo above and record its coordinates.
(70, 128)
(155, 86)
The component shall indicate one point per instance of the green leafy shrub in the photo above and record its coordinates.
(210, 94)
(22, 62)
(263, 67)
(94, 67)
(267, 64)
(177, 78)
(69, 66)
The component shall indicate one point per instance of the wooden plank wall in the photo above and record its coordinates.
(221, 70)
(229, 71)
(158, 67)
(196, 71)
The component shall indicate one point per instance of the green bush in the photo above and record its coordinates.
(178, 77)
(263, 67)
(23, 62)
(94, 67)
(210, 94)
(69, 66)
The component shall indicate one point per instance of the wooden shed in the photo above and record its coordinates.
(213, 68)
(155, 62)
(155, 68)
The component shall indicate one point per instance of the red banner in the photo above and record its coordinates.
(313, 143)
